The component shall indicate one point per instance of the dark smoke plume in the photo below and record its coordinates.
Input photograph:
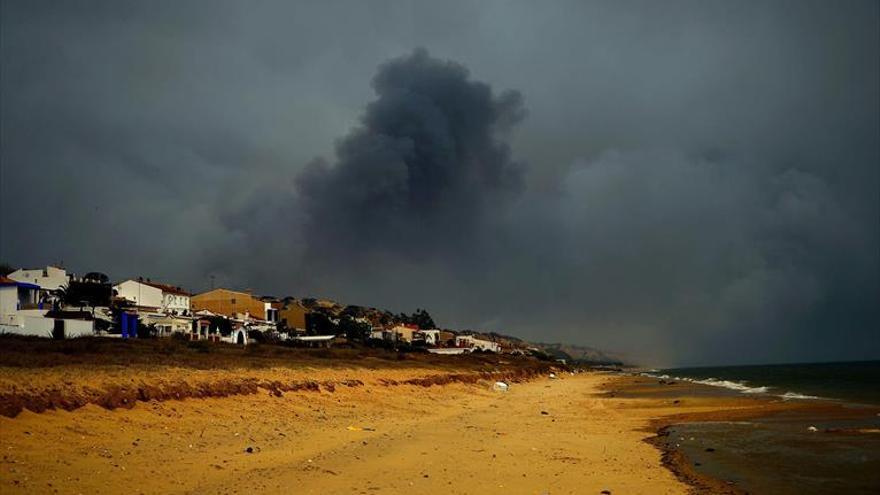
(422, 171)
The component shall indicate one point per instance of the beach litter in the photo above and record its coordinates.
(360, 428)
(813, 429)
(500, 387)
(552, 376)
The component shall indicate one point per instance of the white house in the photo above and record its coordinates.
(49, 278)
(20, 313)
(168, 299)
(139, 293)
(431, 337)
(165, 306)
(16, 296)
(469, 341)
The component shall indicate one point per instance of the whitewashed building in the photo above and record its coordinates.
(20, 313)
(165, 306)
(471, 342)
(48, 279)
(168, 299)
(431, 337)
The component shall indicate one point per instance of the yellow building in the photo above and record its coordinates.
(293, 315)
(229, 303)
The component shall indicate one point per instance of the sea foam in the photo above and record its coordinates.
(740, 386)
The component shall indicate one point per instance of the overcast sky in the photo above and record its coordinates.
(681, 182)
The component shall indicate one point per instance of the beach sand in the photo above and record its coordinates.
(374, 438)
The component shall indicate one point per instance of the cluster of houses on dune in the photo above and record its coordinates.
(50, 302)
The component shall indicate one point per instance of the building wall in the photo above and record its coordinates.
(33, 323)
(228, 302)
(473, 342)
(54, 278)
(8, 300)
(294, 315)
(176, 303)
(139, 293)
(13, 299)
(432, 337)
(404, 333)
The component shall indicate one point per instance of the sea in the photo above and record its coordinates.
(812, 454)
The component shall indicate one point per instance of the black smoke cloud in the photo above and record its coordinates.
(424, 171)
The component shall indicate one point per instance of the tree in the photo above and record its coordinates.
(421, 318)
(319, 324)
(353, 329)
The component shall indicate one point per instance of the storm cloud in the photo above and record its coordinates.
(686, 182)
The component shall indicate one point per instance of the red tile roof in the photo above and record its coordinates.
(166, 288)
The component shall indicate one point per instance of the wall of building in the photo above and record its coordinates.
(294, 316)
(432, 337)
(176, 303)
(8, 300)
(228, 303)
(139, 293)
(49, 278)
(33, 323)
(473, 342)
(404, 333)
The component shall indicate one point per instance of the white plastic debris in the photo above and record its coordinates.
(500, 387)
(813, 428)
(552, 375)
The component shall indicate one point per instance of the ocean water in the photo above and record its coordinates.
(856, 382)
(790, 454)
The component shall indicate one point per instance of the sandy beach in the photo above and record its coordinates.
(349, 426)
(542, 436)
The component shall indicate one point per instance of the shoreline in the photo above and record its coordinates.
(727, 407)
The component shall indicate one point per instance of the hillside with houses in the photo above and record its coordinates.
(54, 303)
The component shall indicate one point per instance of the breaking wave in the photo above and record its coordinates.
(741, 386)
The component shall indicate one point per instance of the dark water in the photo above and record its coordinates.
(857, 382)
(784, 457)
(791, 454)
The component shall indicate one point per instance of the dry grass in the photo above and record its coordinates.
(116, 373)
(34, 352)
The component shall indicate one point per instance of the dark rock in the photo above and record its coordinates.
(710, 449)
(249, 450)
(545, 413)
